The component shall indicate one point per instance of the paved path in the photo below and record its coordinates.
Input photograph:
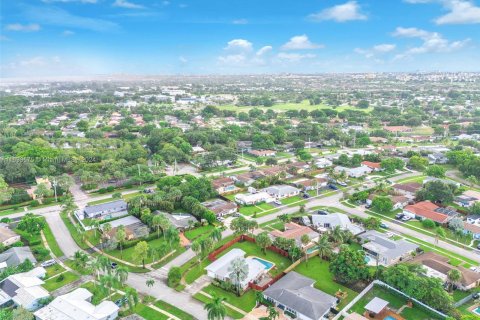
(61, 233)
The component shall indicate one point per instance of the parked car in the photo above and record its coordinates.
(383, 225)
(322, 212)
(341, 183)
(278, 202)
(406, 218)
(48, 263)
(333, 187)
(306, 196)
(236, 214)
(113, 265)
(399, 216)
(368, 206)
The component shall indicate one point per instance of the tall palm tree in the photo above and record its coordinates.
(215, 308)
(238, 272)
(80, 259)
(131, 295)
(259, 298)
(106, 228)
(172, 236)
(121, 235)
(325, 248)
(122, 274)
(108, 281)
(150, 283)
(453, 277)
(272, 313)
(216, 234)
(336, 234)
(197, 248)
(157, 223)
(95, 225)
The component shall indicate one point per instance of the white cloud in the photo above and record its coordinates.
(4, 38)
(295, 57)
(23, 27)
(459, 11)
(348, 11)
(233, 59)
(433, 42)
(68, 33)
(239, 45)
(264, 50)
(182, 60)
(384, 47)
(378, 49)
(300, 43)
(240, 21)
(127, 4)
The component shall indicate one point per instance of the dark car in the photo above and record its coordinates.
(306, 196)
(322, 212)
(399, 216)
(333, 187)
(113, 265)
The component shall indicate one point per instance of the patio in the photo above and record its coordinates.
(378, 309)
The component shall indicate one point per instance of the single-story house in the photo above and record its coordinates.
(323, 163)
(220, 207)
(468, 198)
(375, 166)
(77, 305)
(181, 221)
(220, 268)
(262, 153)
(282, 191)
(407, 189)
(472, 229)
(253, 198)
(15, 256)
(399, 202)
(298, 167)
(224, 185)
(473, 218)
(330, 221)
(437, 266)
(8, 237)
(105, 211)
(134, 228)
(273, 171)
(295, 294)
(354, 172)
(295, 231)
(24, 289)
(387, 251)
(437, 158)
(428, 210)
(312, 184)
(248, 178)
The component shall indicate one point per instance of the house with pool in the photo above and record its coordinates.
(378, 247)
(220, 268)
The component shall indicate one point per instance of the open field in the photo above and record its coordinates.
(282, 107)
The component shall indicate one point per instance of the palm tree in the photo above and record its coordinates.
(197, 248)
(216, 234)
(172, 236)
(238, 272)
(122, 274)
(131, 295)
(324, 247)
(107, 227)
(215, 308)
(259, 298)
(336, 235)
(108, 281)
(272, 313)
(121, 235)
(157, 223)
(453, 277)
(95, 225)
(150, 283)
(305, 239)
(80, 259)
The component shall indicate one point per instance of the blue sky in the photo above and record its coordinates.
(84, 37)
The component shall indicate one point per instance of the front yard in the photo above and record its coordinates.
(59, 281)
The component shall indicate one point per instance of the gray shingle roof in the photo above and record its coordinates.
(297, 293)
(16, 255)
(109, 206)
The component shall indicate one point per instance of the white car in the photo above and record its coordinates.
(48, 263)
(406, 218)
(278, 202)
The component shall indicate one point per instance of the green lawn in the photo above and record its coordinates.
(52, 242)
(291, 200)
(246, 302)
(230, 312)
(173, 310)
(317, 269)
(265, 206)
(395, 302)
(98, 293)
(148, 313)
(54, 283)
(198, 232)
(54, 270)
(249, 210)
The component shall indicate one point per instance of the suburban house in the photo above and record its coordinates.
(220, 207)
(247, 178)
(262, 153)
(428, 210)
(323, 163)
(297, 167)
(473, 218)
(134, 228)
(377, 246)
(330, 221)
(219, 269)
(437, 266)
(282, 191)
(437, 158)
(445, 181)
(24, 289)
(311, 184)
(15, 256)
(472, 229)
(76, 305)
(273, 171)
(399, 202)
(8, 237)
(353, 172)
(105, 211)
(407, 189)
(375, 166)
(224, 185)
(468, 198)
(181, 221)
(253, 198)
(295, 231)
(295, 294)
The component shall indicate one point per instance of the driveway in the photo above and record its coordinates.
(61, 233)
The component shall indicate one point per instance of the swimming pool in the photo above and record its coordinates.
(389, 318)
(312, 250)
(476, 310)
(268, 265)
(367, 260)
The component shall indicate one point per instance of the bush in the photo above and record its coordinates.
(89, 186)
(110, 188)
(102, 190)
(428, 223)
(174, 277)
(47, 201)
(60, 278)
(34, 203)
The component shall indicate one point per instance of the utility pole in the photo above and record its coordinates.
(54, 184)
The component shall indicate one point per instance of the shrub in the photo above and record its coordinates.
(174, 277)
(428, 223)
(47, 201)
(110, 188)
(102, 190)
(60, 278)
(34, 203)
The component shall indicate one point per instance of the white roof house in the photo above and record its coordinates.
(76, 306)
(253, 198)
(219, 269)
(323, 163)
(354, 172)
(282, 191)
(330, 221)
(24, 289)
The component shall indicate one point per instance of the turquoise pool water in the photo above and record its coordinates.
(477, 310)
(367, 260)
(312, 250)
(389, 318)
(267, 264)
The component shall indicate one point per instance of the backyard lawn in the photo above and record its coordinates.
(246, 302)
(59, 281)
(317, 269)
(54, 270)
(192, 234)
(230, 312)
(395, 302)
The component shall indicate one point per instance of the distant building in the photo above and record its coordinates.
(407, 189)
(330, 221)
(428, 210)
(253, 198)
(77, 305)
(468, 198)
(323, 163)
(106, 210)
(295, 294)
(224, 185)
(262, 153)
(354, 172)
(181, 221)
(134, 228)
(375, 166)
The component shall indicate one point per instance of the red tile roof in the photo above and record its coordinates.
(426, 209)
(373, 165)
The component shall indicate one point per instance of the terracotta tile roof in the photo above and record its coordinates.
(292, 231)
(426, 209)
(411, 187)
(373, 165)
(222, 182)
